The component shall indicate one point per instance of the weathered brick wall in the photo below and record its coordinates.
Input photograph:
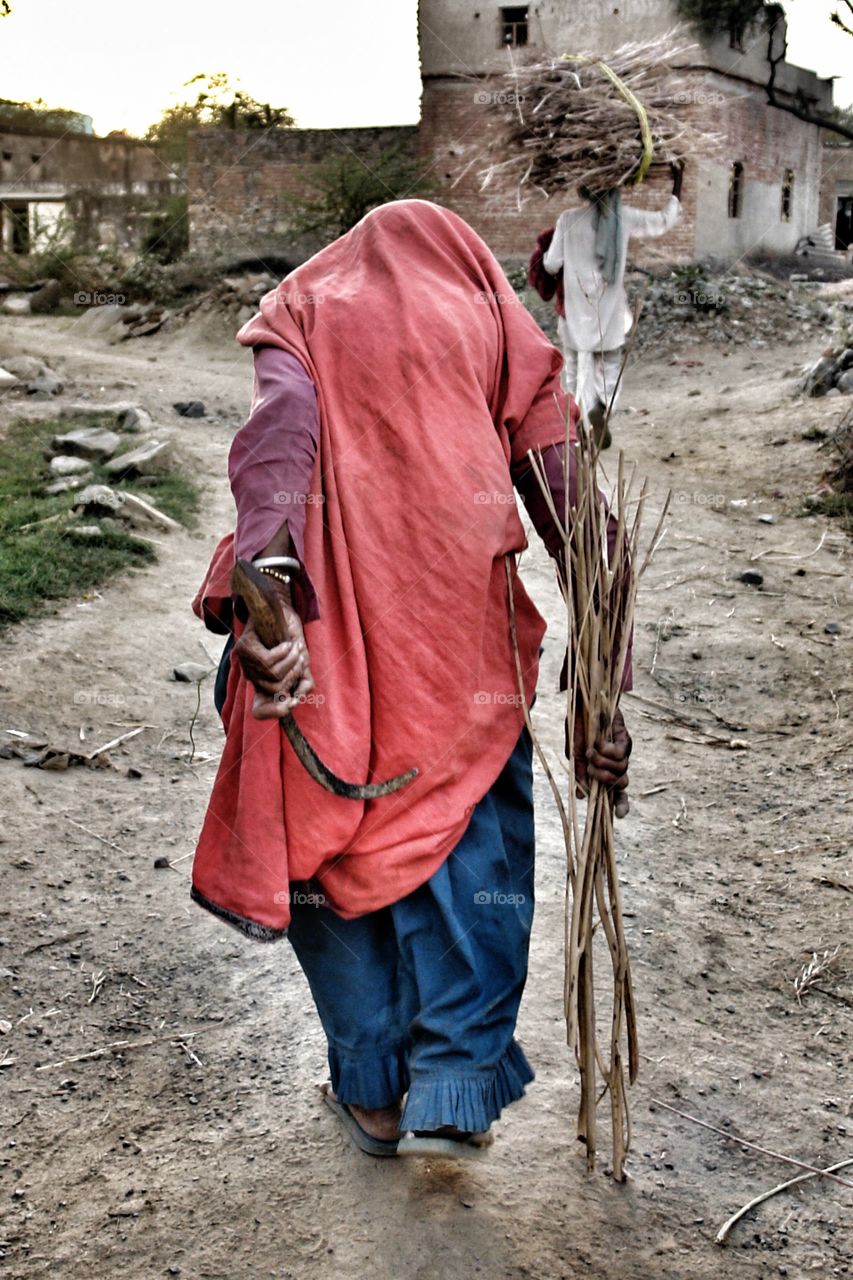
(240, 183)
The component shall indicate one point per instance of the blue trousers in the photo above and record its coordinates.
(421, 998)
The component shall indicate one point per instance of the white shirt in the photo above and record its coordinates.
(597, 313)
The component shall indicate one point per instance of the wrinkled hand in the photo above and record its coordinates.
(281, 676)
(605, 761)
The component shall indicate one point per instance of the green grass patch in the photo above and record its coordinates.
(47, 561)
(837, 506)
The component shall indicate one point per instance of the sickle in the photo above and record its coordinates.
(259, 597)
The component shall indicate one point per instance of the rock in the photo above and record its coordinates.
(99, 499)
(89, 442)
(820, 378)
(24, 367)
(845, 383)
(135, 419)
(7, 379)
(65, 465)
(86, 531)
(64, 486)
(189, 408)
(47, 383)
(766, 518)
(97, 320)
(832, 629)
(129, 464)
(46, 299)
(140, 512)
(751, 577)
(190, 672)
(845, 360)
(17, 305)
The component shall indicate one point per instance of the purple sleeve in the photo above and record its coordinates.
(543, 522)
(271, 460)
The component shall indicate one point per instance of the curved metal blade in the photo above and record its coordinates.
(258, 594)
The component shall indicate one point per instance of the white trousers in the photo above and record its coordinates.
(591, 376)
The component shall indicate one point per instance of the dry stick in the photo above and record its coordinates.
(723, 1233)
(752, 1146)
(122, 1046)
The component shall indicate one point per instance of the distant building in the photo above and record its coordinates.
(759, 189)
(69, 186)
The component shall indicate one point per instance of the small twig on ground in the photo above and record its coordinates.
(752, 1146)
(811, 973)
(723, 1233)
(57, 941)
(115, 742)
(125, 1046)
(103, 839)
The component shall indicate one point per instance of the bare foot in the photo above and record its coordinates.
(379, 1122)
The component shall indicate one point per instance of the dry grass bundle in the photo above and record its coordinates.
(600, 592)
(580, 120)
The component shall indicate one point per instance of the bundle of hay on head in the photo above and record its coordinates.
(581, 121)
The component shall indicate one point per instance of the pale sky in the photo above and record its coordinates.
(332, 63)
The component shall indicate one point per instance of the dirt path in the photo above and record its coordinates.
(215, 1159)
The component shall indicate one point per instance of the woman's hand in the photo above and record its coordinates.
(281, 676)
(606, 761)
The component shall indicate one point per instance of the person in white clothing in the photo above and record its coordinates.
(590, 247)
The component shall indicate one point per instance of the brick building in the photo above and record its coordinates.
(93, 191)
(758, 189)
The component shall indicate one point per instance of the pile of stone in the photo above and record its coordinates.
(691, 305)
(29, 374)
(235, 298)
(74, 454)
(39, 298)
(832, 374)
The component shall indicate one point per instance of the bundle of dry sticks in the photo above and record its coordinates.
(599, 589)
(580, 120)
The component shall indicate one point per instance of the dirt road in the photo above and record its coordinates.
(207, 1153)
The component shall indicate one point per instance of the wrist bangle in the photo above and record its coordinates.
(277, 562)
(279, 577)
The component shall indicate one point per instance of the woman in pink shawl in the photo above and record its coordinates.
(398, 387)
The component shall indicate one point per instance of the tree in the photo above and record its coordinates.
(735, 18)
(844, 23)
(344, 187)
(38, 117)
(218, 105)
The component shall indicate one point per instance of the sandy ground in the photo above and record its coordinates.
(210, 1155)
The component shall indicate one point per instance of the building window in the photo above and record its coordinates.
(787, 195)
(736, 190)
(15, 227)
(514, 26)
